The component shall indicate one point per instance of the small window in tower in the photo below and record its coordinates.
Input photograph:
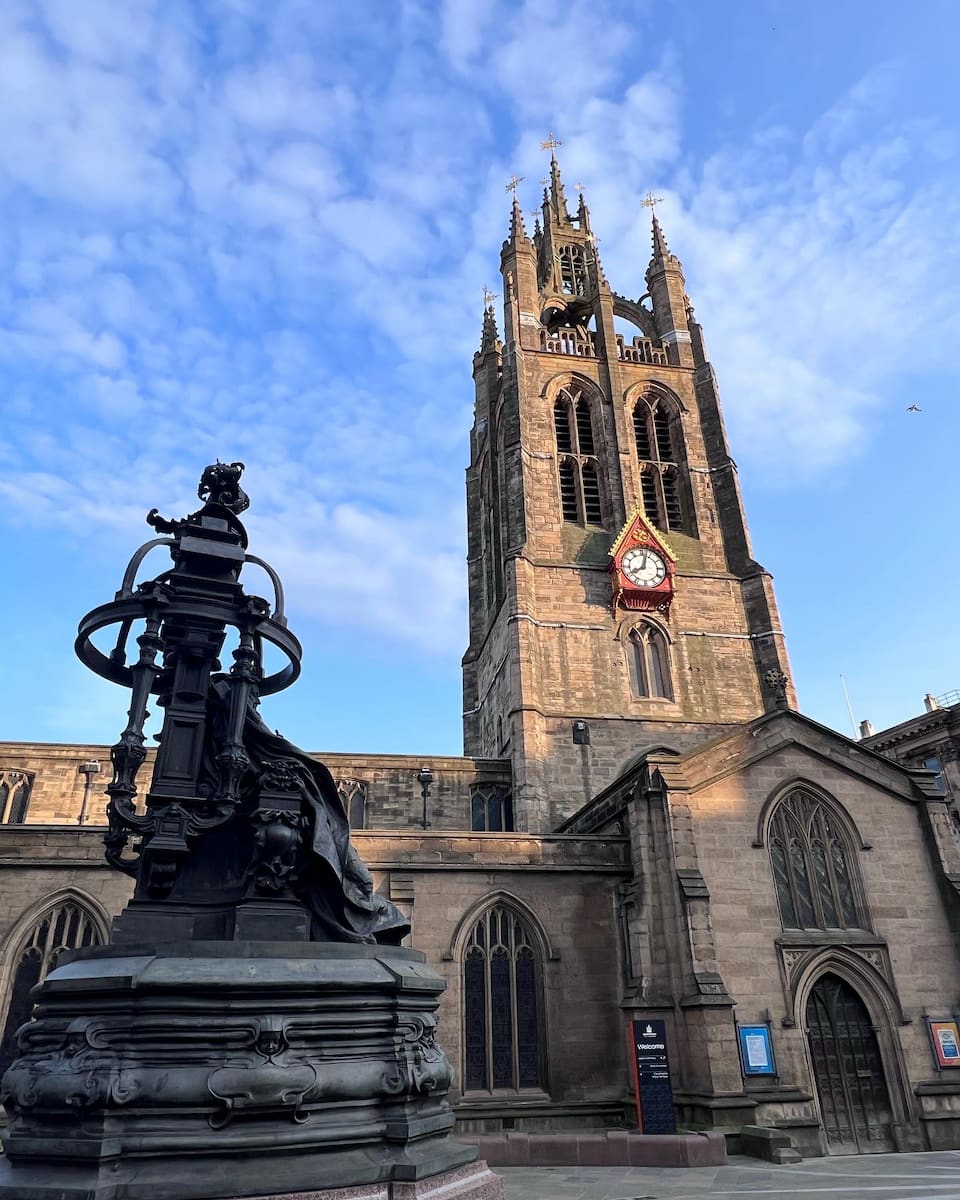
(592, 512)
(661, 425)
(568, 489)
(561, 423)
(641, 431)
(648, 661)
(671, 497)
(584, 428)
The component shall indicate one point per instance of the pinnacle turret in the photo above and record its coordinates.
(583, 214)
(490, 337)
(662, 258)
(661, 251)
(518, 232)
(558, 200)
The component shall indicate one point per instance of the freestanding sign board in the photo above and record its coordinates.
(651, 1076)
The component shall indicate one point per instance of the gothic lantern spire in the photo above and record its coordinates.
(555, 198)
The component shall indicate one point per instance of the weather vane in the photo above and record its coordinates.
(488, 296)
(551, 143)
(651, 201)
(515, 181)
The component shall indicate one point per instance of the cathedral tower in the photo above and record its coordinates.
(598, 429)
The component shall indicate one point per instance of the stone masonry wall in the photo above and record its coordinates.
(910, 948)
(565, 887)
(393, 793)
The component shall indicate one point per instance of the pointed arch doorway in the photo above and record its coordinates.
(848, 1069)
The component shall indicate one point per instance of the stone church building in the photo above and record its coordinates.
(643, 826)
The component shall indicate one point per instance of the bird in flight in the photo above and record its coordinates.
(914, 408)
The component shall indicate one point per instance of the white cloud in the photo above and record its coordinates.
(241, 240)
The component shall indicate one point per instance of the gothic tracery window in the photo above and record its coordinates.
(15, 789)
(578, 468)
(502, 985)
(491, 807)
(353, 797)
(648, 661)
(655, 439)
(66, 926)
(813, 865)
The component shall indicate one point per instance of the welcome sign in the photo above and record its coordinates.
(651, 1076)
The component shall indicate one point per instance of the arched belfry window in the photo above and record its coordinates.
(502, 1009)
(67, 925)
(814, 865)
(573, 270)
(659, 455)
(648, 661)
(578, 468)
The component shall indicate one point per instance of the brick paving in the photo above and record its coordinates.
(865, 1177)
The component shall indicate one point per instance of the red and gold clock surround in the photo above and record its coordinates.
(642, 568)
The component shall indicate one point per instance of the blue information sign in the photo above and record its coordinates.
(756, 1050)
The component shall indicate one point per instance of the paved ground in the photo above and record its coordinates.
(871, 1177)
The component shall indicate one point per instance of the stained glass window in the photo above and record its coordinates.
(502, 1005)
(491, 808)
(813, 865)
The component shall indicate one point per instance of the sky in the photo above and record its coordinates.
(261, 232)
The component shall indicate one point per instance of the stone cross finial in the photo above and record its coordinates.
(777, 681)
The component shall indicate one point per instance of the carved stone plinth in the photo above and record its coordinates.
(195, 1070)
(475, 1182)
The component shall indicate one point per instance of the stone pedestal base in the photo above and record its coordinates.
(476, 1182)
(212, 1070)
(473, 1182)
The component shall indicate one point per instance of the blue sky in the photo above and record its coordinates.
(261, 232)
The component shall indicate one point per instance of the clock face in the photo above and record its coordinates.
(643, 567)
